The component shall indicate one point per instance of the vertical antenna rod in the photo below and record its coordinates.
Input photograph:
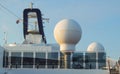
(31, 5)
(5, 38)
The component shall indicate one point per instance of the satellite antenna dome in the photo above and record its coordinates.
(67, 33)
(95, 47)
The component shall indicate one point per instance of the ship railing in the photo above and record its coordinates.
(47, 67)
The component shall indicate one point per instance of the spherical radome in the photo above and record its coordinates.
(67, 33)
(95, 47)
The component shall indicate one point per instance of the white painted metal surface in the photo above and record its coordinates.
(95, 47)
(52, 71)
(67, 33)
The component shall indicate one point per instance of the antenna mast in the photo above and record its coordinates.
(5, 38)
(31, 5)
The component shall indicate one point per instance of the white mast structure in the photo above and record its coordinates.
(33, 30)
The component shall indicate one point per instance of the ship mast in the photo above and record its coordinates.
(34, 34)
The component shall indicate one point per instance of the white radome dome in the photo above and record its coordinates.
(95, 47)
(67, 33)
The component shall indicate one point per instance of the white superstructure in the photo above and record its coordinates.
(35, 56)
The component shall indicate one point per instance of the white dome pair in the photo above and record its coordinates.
(95, 47)
(68, 33)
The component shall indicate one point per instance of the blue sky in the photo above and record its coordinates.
(99, 20)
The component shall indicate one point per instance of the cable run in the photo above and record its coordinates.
(9, 11)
